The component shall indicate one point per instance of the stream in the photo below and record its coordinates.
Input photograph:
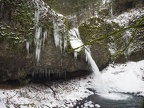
(96, 101)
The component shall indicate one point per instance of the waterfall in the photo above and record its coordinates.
(77, 44)
(98, 82)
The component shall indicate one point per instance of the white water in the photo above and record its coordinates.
(114, 76)
(98, 81)
(125, 78)
(77, 44)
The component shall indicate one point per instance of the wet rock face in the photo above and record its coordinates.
(52, 64)
(13, 68)
(136, 56)
(120, 6)
(52, 57)
(101, 55)
(92, 29)
(15, 64)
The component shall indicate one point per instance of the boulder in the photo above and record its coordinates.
(120, 6)
(91, 29)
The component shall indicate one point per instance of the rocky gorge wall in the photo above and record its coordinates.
(17, 57)
(18, 46)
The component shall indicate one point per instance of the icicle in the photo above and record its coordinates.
(103, 2)
(59, 74)
(38, 43)
(44, 37)
(27, 47)
(37, 13)
(56, 34)
(60, 43)
(126, 37)
(33, 75)
(49, 73)
(65, 74)
(45, 73)
(65, 42)
(38, 31)
(111, 10)
(75, 54)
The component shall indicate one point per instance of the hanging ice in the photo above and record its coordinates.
(56, 34)
(38, 31)
(38, 42)
(111, 9)
(45, 37)
(75, 41)
(27, 47)
(60, 37)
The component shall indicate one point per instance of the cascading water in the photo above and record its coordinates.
(98, 84)
(98, 81)
(77, 44)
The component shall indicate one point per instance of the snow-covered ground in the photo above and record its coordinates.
(127, 78)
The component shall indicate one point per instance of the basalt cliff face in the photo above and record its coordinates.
(25, 54)
(18, 48)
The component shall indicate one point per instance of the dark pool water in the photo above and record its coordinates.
(133, 102)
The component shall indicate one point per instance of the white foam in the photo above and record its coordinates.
(116, 96)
